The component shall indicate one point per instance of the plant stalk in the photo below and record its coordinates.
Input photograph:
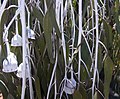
(96, 48)
(23, 22)
(2, 7)
(79, 38)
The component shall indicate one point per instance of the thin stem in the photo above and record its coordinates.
(16, 24)
(57, 10)
(5, 39)
(23, 22)
(2, 7)
(96, 48)
(63, 38)
(73, 32)
(16, 14)
(45, 6)
(29, 74)
(28, 12)
(79, 38)
(52, 77)
(55, 94)
(92, 26)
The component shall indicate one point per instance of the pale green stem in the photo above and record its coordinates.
(29, 74)
(5, 39)
(45, 5)
(79, 38)
(73, 27)
(57, 10)
(63, 38)
(27, 60)
(23, 22)
(28, 12)
(96, 48)
(55, 94)
(93, 41)
(16, 25)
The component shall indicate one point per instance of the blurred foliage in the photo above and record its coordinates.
(44, 56)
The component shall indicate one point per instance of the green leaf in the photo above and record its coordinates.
(37, 87)
(48, 2)
(40, 43)
(85, 55)
(48, 27)
(108, 38)
(77, 95)
(100, 57)
(54, 22)
(82, 91)
(38, 14)
(108, 69)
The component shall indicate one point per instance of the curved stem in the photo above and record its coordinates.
(2, 7)
(16, 14)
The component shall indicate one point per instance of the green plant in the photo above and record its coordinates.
(70, 48)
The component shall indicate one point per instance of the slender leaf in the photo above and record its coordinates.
(108, 69)
(38, 14)
(37, 87)
(48, 33)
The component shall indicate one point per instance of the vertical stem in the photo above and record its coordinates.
(73, 26)
(29, 73)
(8, 47)
(55, 87)
(92, 33)
(96, 48)
(104, 9)
(79, 38)
(23, 22)
(57, 9)
(0, 3)
(73, 35)
(16, 24)
(63, 38)
(5, 39)
(45, 6)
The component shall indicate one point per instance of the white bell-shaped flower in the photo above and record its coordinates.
(70, 86)
(10, 64)
(20, 72)
(30, 33)
(16, 40)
